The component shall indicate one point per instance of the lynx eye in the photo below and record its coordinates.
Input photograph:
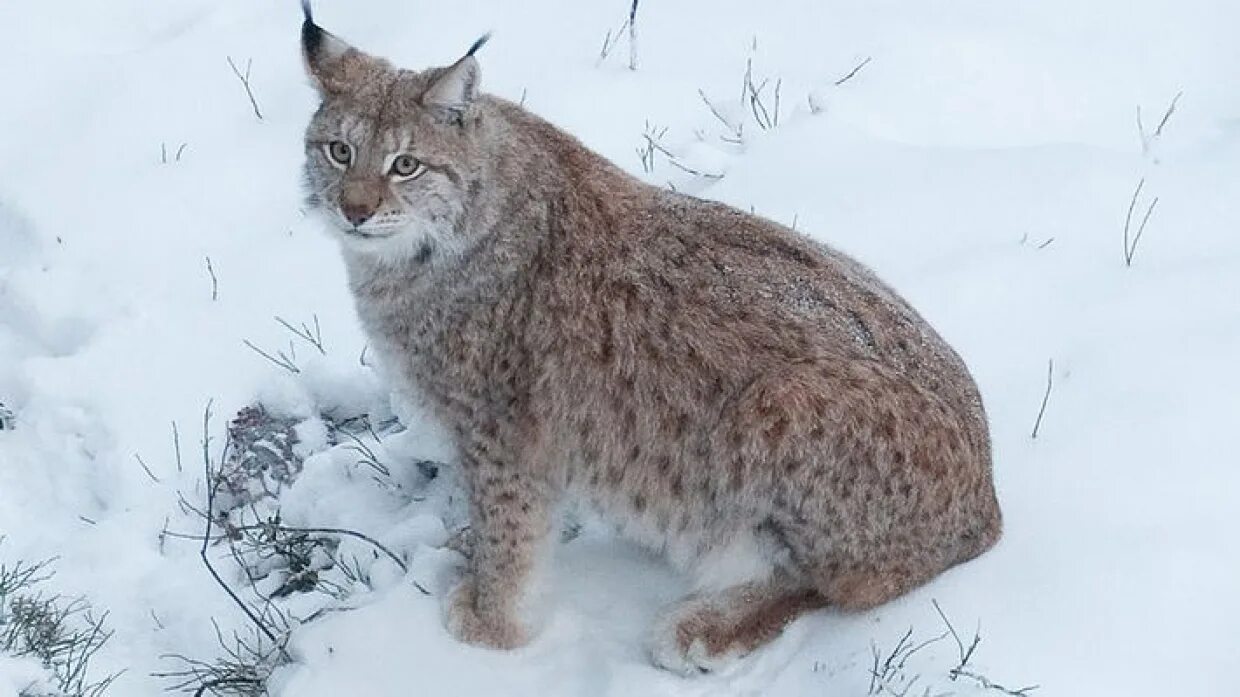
(406, 167)
(339, 152)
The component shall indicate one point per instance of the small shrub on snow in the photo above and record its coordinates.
(260, 460)
(892, 672)
(62, 634)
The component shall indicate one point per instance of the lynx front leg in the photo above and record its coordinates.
(510, 523)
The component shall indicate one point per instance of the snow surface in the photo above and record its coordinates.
(982, 162)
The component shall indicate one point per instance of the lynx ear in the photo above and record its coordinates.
(455, 88)
(326, 57)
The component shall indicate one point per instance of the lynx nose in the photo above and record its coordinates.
(359, 200)
(357, 213)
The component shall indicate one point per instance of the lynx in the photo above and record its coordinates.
(757, 406)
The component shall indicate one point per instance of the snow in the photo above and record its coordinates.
(982, 162)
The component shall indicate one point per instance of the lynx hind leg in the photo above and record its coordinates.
(708, 630)
(877, 486)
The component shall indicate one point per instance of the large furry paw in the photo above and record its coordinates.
(491, 630)
(694, 639)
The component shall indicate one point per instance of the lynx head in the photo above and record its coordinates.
(392, 156)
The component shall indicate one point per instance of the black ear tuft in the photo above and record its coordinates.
(327, 58)
(482, 41)
(311, 34)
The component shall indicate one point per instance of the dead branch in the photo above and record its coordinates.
(163, 153)
(853, 73)
(176, 444)
(1132, 240)
(1046, 396)
(633, 36)
(736, 130)
(887, 674)
(244, 77)
(213, 484)
(1167, 114)
(215, 282)
(146, 469)
(1148, 140)
(966, 654)
(673, 160)
(283, 360)
(313, 337)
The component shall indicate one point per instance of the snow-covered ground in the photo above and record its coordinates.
(983, 161)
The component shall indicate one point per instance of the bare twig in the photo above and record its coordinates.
(366, 455)
(176, 444)
(215, 282)
(281, 359)
(853, 73)
(757, 104)
(747, 78)
(735, 129)
(612, 39)
(609, 42)
(244, 668)
(647, 151)
(653, 145)
(1167, 115)
(213, 484)
(314, 337)
(23, 575)
(365, 538)
(887, 674)
(989, 684)
(1046, 396)
(778, 84)
(1132, 251)
(176, 157)
(965, 654)
(1148, 140)
(695, 172)
(633, 36)
(1131, 240)
(146, 469)
(244, 77)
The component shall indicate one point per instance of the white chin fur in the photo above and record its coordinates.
(423, 243)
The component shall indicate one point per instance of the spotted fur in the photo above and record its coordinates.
(756, 405)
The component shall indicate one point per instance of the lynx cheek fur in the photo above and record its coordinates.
(758, 406)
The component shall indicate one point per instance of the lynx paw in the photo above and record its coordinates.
(491, 630)
(693, 641)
